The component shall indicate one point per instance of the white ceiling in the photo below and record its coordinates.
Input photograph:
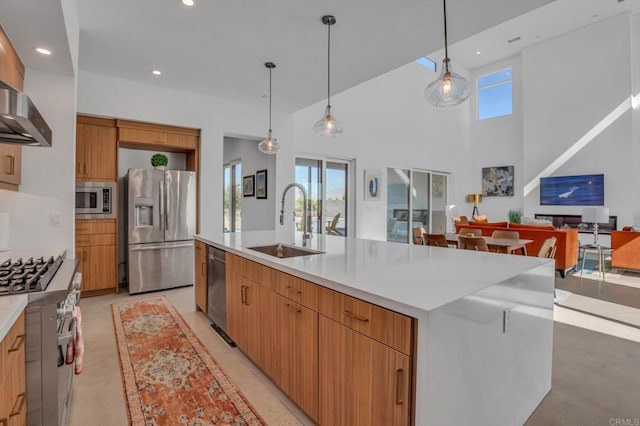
(219, 49)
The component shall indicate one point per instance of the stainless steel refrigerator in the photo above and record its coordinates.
(161, 223)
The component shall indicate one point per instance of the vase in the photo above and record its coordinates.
(159, 167)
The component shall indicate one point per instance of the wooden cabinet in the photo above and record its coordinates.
(297, 349)
(201, 275)
(12, 73)
(96, 150)
(10, 166)
(132, 133)
(13, 410)
(342, 360)
(362, 382)
(97, 254)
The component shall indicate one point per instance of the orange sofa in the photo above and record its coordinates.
(567, 240)
(626, 250)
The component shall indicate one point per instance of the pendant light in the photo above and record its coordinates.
(450, 88)
(328, 126)
(269, 145)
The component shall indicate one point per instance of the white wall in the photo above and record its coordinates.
(387, 123)
(47, 187)
(570, 84)
(496, 142)
(113, 97)
(257, 214)
(635, 85)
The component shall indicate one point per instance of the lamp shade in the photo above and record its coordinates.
(474, 198)
(595, 214)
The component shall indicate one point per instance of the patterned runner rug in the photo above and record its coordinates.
(169, 377)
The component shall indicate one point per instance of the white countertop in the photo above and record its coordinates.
(12, 306)
(404, 277)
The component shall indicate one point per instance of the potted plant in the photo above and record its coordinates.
(159, 161)
(515, 216)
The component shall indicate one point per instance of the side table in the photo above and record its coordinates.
(600, 251)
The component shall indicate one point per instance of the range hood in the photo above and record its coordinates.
(20, 121)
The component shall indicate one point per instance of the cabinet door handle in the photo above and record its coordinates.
(399, 385)
(202, 269)
(17, 344)
(295, 290)
(17, 407)
(85, 169)
(356, 317)
(293, 308)
(12, 165)
(243, 294)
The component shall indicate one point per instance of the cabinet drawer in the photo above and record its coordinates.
(388, 327)
(260, 274)
(298, 290)
(89, 227)
(95, 240)
(12, 343)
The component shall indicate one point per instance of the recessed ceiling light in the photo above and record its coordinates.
(188, 2)
(43, 51)
(156, 72)
(478, 52)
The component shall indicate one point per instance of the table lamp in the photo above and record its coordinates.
(595, 215)
(475, 199)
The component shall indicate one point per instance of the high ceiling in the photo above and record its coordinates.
(219, 49)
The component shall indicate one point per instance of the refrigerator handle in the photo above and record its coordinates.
(161, 191)
(166, 213)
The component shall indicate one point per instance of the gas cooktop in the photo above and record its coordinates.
(27, 275)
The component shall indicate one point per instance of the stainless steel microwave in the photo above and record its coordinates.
(95, 200)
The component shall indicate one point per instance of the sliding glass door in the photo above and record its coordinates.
(232, 203)
(415, 199)
(327, 182)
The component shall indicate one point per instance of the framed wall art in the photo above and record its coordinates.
(248, 186)
(261, 184)
(497, 181)
(372, 185)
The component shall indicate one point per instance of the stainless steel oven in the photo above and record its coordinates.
(95, 200)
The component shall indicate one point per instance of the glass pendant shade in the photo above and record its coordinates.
(448, 90)
(269, 145)
(328, 126)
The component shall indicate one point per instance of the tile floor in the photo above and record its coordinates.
(596, 377)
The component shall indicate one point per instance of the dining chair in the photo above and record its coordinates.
(548, 248)
(331, 228)
(417, 235)
(472, 243)
(435, 240)
(460, 220)
(467, 231)
(480, 218)
(508, 235)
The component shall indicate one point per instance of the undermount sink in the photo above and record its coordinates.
(283, 251)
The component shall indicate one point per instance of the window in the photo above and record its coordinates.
(427, 63)
(495, 95)
(327, 182)
(232, 206)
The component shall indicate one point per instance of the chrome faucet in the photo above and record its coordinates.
(306, 233)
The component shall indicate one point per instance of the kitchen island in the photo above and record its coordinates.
(483, 322)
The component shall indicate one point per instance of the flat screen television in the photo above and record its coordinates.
(583, 190)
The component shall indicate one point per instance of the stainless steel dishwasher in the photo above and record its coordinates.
(217, 292)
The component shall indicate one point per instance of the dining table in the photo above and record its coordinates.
(504, 245)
